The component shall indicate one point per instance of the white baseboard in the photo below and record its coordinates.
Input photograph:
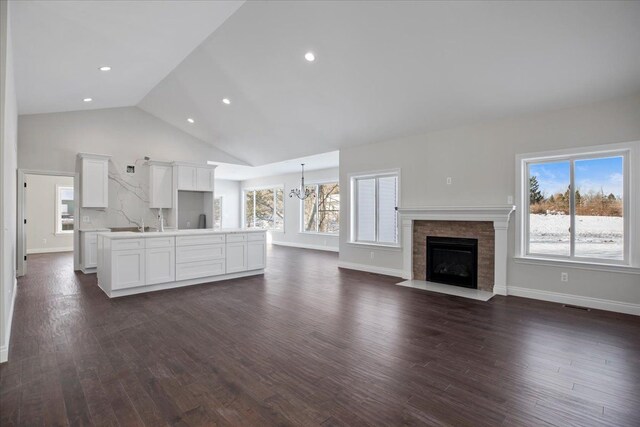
(307, 246)
(597, 303)
(4, 349)
(371, 269)
(49, 250)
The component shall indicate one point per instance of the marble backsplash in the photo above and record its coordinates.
(128, 200)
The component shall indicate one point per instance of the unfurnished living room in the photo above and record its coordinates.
(319, 213)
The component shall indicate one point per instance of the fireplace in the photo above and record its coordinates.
(453, 261)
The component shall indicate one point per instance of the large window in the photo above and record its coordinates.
(575, 206)
(64, 210)
(374, 201)
(321, 214)
(264, 208)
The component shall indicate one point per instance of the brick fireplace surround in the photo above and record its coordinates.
(488, 224)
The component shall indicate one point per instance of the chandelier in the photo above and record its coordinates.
(302, 192)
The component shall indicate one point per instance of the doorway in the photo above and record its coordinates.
(47, 214)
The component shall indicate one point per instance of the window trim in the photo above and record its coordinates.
(58, 220)
(317, 184)
(353, 178)
(629, 152)
(264, 187)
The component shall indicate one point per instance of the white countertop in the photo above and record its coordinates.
(190, 232)
(89, 230)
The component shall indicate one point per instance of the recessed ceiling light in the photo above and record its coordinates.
(226, 101)
(190, 120)
(105, 68)
(88, 99)
(309, 56)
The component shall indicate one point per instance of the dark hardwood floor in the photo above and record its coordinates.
(309, 344)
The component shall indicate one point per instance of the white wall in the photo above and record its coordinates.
(230, 192)
(481, 161)
(41, 214)
(292, 235)
(8, 165)
(50, 142)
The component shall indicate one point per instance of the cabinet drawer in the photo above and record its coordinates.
(194, 270)
(160, 242)
(256, 237)
(236, 238)
(199, 253)
(127, 244)
(199, 240)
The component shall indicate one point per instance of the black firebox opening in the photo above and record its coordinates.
(453, 261)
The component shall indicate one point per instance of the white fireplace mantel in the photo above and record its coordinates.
(499, 215)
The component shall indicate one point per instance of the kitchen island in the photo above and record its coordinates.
(132, 262)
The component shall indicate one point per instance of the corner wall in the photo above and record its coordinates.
(291, 236)
(230, 192)
(8, 177)
(480, 159)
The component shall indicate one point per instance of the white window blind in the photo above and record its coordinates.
(375, 199)
(387, 197)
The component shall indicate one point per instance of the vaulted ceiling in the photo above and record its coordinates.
(383, 69)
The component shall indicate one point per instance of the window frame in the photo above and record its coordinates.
(58, 219)
(266, 187)
(317, 184)
(628, 152)
(353, 218)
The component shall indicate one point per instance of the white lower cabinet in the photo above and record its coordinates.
(197, 269)
(256, 255)
(125, 264)
(160, 265)
(236, 257)
(128, 268)
(89, 253)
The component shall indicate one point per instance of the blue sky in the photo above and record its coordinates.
(590, 175)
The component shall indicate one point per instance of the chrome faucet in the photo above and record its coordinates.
(142, 224)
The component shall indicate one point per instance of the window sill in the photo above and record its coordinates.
(313, 233)
(376, 246)
(616, 268)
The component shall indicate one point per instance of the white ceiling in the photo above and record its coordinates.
(311, 163)
(59, 46)
(384, 69)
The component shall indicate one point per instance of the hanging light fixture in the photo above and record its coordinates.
(302, 192)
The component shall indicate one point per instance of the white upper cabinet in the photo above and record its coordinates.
(186, 177)
(94, 182)
(195, 178)
(160, 185)
(204, 179)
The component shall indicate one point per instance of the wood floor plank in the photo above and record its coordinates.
(312, 346)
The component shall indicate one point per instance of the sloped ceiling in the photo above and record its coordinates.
(386, 69)
(59, 46)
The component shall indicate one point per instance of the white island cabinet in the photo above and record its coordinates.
(131, 263)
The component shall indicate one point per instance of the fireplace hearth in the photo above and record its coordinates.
(452, 261)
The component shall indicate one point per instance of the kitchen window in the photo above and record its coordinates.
(264, 208)
(321, 214)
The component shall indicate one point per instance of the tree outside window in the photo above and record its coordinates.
(264, 208)
(321, 214)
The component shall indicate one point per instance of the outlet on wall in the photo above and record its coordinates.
(448, 180)
(371, 254)
(564, 277)
(188, 224)
(510, 200)
(86, 219)
(44, 241)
